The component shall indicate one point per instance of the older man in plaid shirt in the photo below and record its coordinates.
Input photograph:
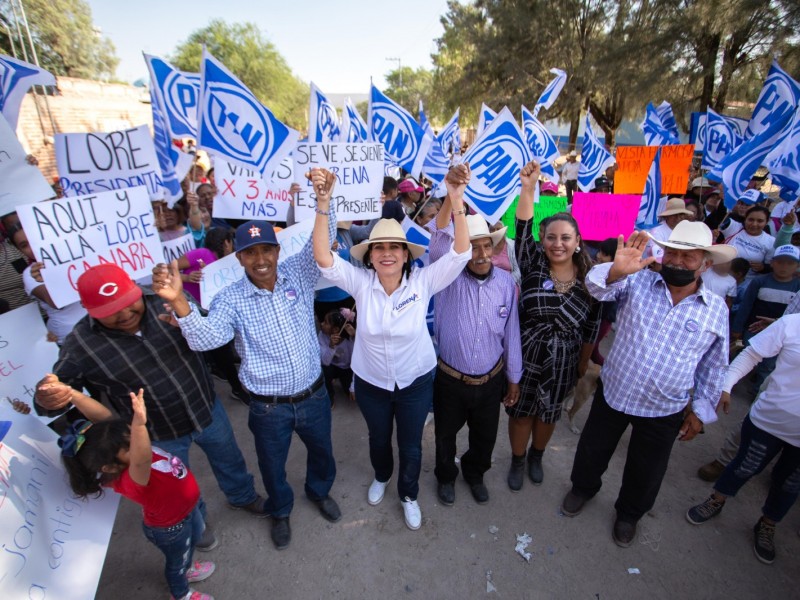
(672, 337)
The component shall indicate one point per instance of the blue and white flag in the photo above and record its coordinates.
(495, 160)
(235, 125)
(16, 78)
(778, 98)
(404, 141)
(353, 127)
(783, 161)
(174, 164)
(486, 116)
(178, 94)
(652, 202)
(543, 147)
(323, 122)
(595, 159)
(444, 146)
(423, 120)
(449, 137)
(721, 139)
(551, 92)
(664, 112)
(738, 168)
(655, 134)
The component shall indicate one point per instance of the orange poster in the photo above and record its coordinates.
(634, 162)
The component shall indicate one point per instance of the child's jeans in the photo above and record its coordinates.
(177, 543)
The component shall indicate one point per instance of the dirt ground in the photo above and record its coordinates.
(371, 554)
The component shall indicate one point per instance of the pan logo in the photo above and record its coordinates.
(237, 126)
(396, 131)
(539, 140)
(496, 165)
(181, 96)
(327, 124)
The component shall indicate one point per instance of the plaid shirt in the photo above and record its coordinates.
(274, 332)
(662, 351)
(178, 390)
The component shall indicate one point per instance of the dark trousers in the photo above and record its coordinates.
(756, 451)
(646, 463)
(572, 187)
(331, 373)
(478, 406)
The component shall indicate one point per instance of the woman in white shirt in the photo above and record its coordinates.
(752, 243)
(393, 357)
(772, 427)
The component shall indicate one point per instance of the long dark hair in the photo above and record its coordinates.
(101, 445)
(580, 259)
(406, 267)
(216, 238)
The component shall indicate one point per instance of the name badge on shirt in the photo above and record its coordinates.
(503, 312)
(691, 325)
(291, 295)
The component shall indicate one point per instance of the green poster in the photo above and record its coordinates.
(546, 207)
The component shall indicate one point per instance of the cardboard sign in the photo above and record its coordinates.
(70, 235)
(242, 194)
(22, 183)
(91, 163)
(53, 545)
(174, 249)
(547, 206)
(634, 163)
(25, 355)
(602, 216)
(359, 178)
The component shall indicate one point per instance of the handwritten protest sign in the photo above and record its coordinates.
(359, 178)
(25, 354)
(174, 249)
(22, 183)
(602, 216)
(70, 235)
(53, 545)
(634, 163)
(91, 163)
(547, 206)
(223, 272)
(242, 194)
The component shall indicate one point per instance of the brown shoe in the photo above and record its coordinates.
(711, 471)
(624, 533)
(257, 507)
(572, 505)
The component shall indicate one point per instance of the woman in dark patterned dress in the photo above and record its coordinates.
(559, 322)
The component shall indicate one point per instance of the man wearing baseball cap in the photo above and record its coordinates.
(269, 314)
(123, 345)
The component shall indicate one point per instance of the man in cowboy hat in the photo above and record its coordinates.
(480, 357)
(674, 212)
(569, 174)
(672, 337)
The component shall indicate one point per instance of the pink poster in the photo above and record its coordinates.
(602, 216)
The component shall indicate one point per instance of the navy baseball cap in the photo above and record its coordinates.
(255, 232)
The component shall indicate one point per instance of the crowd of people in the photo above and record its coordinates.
(478, 320)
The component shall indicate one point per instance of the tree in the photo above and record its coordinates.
(243, 49)
(407, 87)
(64, 36)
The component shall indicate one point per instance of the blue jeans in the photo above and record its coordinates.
(409, 409)
(177, 543)
(226, 460)
(272, 426)
(756, 451)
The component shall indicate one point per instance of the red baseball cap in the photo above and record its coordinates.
(106, 289)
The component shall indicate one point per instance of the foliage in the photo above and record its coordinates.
(65, 39)
(247, 54)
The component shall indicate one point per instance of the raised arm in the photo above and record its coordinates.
(443, 216)
(141, 451)
(628, 258)
(323, 182)
(529, 175)
(456, 180)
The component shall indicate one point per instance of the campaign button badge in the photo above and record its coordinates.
(291, 295)
(503, 312)
(548, 285)
(692, 325)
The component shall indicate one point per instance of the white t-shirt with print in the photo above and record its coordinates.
(721, 285)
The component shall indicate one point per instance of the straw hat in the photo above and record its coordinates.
(693, 235)
(676, 206)
(386, 230)
(478, 228)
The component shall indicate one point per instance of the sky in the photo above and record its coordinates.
(336, 44)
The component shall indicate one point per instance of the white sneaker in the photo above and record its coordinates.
(376, 491)
(412, 513)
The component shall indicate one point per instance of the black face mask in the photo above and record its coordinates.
(677, 277)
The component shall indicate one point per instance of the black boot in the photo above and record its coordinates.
(516, 473)
(535, 471)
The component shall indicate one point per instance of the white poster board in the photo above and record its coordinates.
(22, 183)
(70, 235)
(91, 163)
(243, 194)
(174, 249)
(53, 545)
(359, 169)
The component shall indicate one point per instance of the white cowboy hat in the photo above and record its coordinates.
(693, 235)
(676, 206)
(386, 230)
(478, 228)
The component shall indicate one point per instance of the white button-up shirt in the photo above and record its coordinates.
(393, 347)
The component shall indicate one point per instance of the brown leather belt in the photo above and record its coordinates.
(469, 379)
